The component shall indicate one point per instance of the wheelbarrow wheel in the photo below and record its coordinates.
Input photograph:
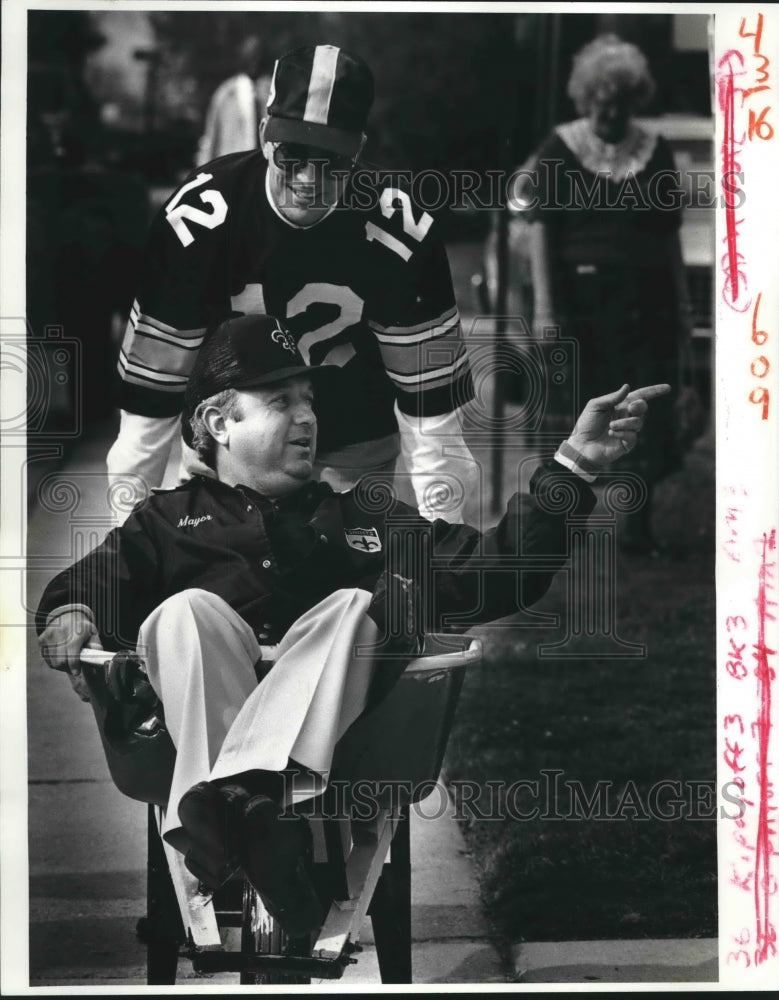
(262, 935)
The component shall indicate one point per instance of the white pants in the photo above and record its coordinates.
(200, 657)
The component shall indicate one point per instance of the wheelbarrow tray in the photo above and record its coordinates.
(401, 742)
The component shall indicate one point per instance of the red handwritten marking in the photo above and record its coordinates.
(740, 880)
(757, 34)
(766, 935)
(732, 761)
(732, 719)
(733, 956)
(757, 125)
(727, 103)
(736, 669)
(732, 515)
(762, 78)
(759, 337)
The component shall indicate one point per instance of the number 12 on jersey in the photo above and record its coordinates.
(417, 229)
(179, 215)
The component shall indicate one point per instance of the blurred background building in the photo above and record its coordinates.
(117, 99)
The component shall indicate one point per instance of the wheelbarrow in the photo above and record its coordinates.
(361, 862)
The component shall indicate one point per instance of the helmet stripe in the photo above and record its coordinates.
(320, 89)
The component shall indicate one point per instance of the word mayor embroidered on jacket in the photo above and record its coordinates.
(193, 522)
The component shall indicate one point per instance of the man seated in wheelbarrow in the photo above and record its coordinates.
(201, 576)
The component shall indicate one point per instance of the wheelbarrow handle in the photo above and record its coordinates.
(95, 656)
(100, 657)
(268, 655)
(443, 659)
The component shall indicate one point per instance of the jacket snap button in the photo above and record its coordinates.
(266, 563)
(323, 538)
(263, 635)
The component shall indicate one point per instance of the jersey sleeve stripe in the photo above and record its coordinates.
(429, 333)
(408, 359)
(140, 380)
(144, 325)
(422, 380)
(149, 354)
(136, 315)
(194, 343)
(405, 331)
(154, 353)
(132, 370)
(443, 384)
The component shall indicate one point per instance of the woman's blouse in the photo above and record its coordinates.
(606, 203)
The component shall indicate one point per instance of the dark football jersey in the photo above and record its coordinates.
(367, 289)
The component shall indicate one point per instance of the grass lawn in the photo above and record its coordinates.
(630, 722)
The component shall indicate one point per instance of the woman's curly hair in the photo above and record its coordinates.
(610, 63)
(228, 402)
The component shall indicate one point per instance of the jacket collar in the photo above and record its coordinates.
(308, 493)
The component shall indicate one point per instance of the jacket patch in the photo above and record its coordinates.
(363, 539)
(193, 522)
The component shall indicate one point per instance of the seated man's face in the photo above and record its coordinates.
(305, 182)
(272, 444)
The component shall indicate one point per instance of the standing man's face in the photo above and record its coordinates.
(305, 182)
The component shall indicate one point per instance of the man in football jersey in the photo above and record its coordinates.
(358, 273)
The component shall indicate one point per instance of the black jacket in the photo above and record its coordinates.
(271, 561)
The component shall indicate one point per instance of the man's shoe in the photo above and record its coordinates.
(275, 853)
(211, 816)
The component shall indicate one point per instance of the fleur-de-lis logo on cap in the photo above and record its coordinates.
(282, 337)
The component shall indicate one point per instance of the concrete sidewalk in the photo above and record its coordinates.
(87, 842)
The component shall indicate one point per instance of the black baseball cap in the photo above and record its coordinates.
(320, 96)
(245, 352)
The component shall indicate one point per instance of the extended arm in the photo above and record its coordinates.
(483, 575)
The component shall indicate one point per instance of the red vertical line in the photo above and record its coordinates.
(763, 842)
(728, 164)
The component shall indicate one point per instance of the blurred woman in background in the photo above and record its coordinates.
(605, 253)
